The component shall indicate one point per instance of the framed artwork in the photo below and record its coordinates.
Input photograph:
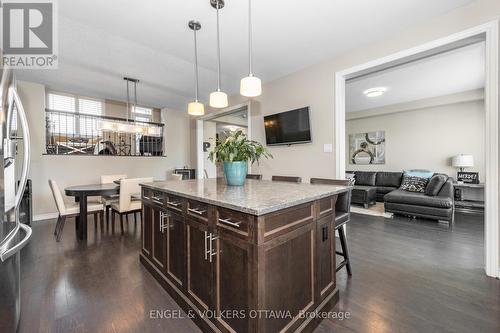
(367, 148)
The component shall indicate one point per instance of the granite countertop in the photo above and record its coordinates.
(256, 197)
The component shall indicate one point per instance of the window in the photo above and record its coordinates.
(69, 118)
(142, 114)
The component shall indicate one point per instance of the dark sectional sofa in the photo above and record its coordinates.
(436, 203)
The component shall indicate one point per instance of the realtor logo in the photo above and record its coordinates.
(28, 34)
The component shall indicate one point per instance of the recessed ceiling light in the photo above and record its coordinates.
(375, 92)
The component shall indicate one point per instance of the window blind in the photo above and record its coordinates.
(65, 124)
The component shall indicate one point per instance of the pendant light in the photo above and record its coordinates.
(250, 86)
(195, 108)
(218, 99)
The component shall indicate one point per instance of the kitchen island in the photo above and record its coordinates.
(255, 258)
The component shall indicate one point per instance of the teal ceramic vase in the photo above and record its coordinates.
(236, 172)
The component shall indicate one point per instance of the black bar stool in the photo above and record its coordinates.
(342, 216)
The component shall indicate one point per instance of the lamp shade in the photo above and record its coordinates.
(218, 99)
(196, 109)
(462, 161)
(250, 86)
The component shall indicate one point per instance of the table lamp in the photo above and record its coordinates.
(462, 161)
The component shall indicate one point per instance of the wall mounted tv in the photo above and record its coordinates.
(286, 128)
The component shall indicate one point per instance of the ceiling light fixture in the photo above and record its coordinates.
(250, 86)
(127, 125)
(218, 99)
(195, 108)
(375, 92)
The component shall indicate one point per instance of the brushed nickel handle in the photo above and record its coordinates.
(174, 203)
(229, 222)
(211, 250)
(164, 225)
(196, 211)
(206, 245)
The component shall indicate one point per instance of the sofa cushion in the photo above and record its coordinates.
(418, 199)
(385, 189)
(366, 178)
(435, 184)
(392, 179)
(414, 184)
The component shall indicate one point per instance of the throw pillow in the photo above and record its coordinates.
(414, 184)
(435, 184)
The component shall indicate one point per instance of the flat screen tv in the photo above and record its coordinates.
(286, 128)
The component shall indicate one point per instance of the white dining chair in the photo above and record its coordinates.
(176, 176)
(107, 200)
(67, 210)
(126, 204)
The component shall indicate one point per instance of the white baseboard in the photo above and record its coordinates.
(46, 216)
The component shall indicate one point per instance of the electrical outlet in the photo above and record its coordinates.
(328, 148)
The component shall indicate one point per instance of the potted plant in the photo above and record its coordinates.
(234, 150)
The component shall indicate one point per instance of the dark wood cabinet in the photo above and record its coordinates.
(230, 263)
(147, 230)
(176, 248)
(199, 267)
(325, 245)
(233, 282)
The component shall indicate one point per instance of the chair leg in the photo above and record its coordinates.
(121, 222)
(95, 220)
(107, 214)
(135, 217)
(126, 217)
(57, 225)
(101, 220)
(113, 220)
(345, 250)
(61, 227)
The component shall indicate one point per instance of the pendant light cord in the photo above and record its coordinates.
(250, 69)
(195, 66)
(218, 49)
(128, 101)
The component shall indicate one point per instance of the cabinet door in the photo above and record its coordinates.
(159, 255)
(147, 230)
(233, 278)
(325, 255)
(199, 267)
(176, 249)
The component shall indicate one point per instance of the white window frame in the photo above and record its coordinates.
(77, 98)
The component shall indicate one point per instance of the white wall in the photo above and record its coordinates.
(427, 138)
(74, 170)
(209, 135)
(315, 86)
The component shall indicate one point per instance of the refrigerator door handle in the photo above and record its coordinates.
(13, 98)
(16, 248)
(26, 143)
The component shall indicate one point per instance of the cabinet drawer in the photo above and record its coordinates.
(174, 203)
(197, 210)
(154, 197)
(236, 222)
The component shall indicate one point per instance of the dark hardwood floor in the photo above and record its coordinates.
(408, 276)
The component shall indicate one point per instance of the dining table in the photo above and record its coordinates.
(81, 193)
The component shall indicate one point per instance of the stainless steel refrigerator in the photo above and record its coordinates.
(14, 168)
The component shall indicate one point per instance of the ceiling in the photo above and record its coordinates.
(102, 41)
(447, 73)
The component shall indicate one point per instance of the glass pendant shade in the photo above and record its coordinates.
(196, 109)
(218, 99)
(251, 86)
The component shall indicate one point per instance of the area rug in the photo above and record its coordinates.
(374, 210)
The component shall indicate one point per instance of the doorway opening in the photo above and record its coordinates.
(487, 33)
(212, 127)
